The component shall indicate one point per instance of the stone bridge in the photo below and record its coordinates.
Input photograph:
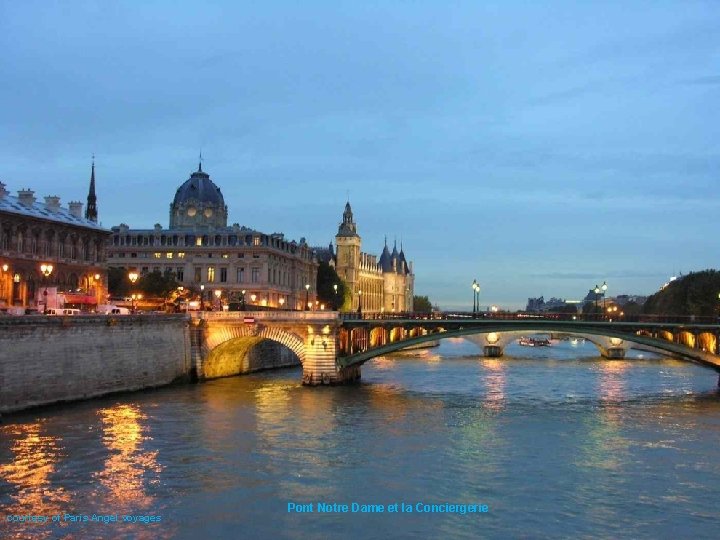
(331, 347)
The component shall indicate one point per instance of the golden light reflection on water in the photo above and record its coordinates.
(495, 380)
(127, 466)
(35, 457)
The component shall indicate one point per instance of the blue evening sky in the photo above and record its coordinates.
(539, 147)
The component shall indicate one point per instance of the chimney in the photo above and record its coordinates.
(52, 203)
(26, 197)
(3, 191)
(76, 208)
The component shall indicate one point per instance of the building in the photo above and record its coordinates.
(207, 255)
(538, 305)
(50, 255)
(379, 285)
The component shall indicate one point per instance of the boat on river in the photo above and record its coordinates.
(534, 342)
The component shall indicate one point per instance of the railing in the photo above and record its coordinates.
(524, 316)
(266, 315)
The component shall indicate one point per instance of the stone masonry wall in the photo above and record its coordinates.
(50, 359)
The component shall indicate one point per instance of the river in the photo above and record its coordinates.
(554, 441)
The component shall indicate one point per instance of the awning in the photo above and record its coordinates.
(79, 299)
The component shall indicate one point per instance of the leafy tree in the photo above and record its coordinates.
(693, 294)
(422, 304)
(589, 308)
(157, 285)
(118, 282)
(327, 278)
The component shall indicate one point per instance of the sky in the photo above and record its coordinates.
(540, 148)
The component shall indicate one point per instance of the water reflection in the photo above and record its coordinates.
(128, 467)
(495, 380)
(35, 456)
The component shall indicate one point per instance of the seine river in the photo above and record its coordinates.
(555, 441)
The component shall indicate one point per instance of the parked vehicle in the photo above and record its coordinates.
(63, 311)
(109, 309)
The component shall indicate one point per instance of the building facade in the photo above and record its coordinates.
(207, 255)
(50, 255)
(379, 285)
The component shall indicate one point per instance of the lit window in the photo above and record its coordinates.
(225, 255)
(256, 241)
(169, 255)
(181, 255)
(158, 255)
(198, 241)
(211, 274)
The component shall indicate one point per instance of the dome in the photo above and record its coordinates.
(199, 188)
(198, 203)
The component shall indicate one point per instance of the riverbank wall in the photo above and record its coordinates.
(46, 360)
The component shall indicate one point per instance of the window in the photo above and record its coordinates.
(225, 255)
(198, 274)
(158, 255)
(180, 274)
(209, 255)
(198, 241)
(241, 255)
(241, 275)
(255, 277)
(223, 275)
(181, 255)
(169, 255)
(256, 240)
(211, 274)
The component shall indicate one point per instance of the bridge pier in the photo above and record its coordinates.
(492, 351)
(320, 362)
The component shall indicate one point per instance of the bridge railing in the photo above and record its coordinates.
(266, 315)
(523, 316)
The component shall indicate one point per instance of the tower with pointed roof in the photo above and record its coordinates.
(383, 285)
(348, 252)
(91, 210)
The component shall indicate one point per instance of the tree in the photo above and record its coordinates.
(118, 282)
(592, 308)
(157, 285)
(693, 294)
(422, 304)
(327, 278)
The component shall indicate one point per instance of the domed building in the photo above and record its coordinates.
(227, 263)
(198, 204)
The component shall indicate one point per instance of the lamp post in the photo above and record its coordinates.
(133, 277)
(307, 296)
(46, 270)
(282, 301)
(218, 295)
(597, 293)
(202, 297)
(360, 304)
(242, 300)
(604, 288)
(474, 284)
(253, 297)
(336, 300)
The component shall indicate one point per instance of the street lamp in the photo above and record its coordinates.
(597, 293)
(476, 296)
(336, 300)
(218, 295)
(133, 276)
(282, 302)
(307, 296)
(46, 270)
(604, 288)
(360, 304)
(202, 297)
(242, 300)
(474, 284)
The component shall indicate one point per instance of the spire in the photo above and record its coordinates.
(200, 163)
(91, 210)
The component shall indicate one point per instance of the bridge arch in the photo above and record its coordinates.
(665, 340)
(234, 349)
